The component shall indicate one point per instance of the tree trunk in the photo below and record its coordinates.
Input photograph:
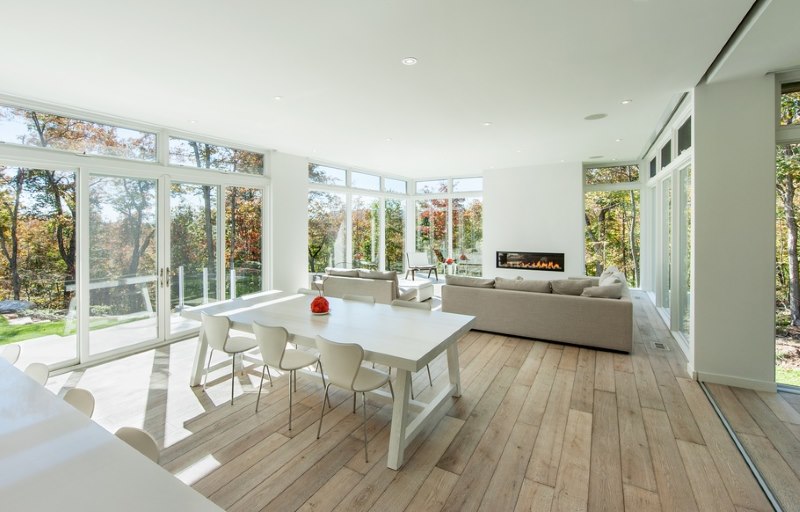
(211, 253)
(791, 228)
(10, 245)
(634, 247)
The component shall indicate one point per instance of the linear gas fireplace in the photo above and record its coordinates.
(549, 261)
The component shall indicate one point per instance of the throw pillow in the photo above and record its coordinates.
(341, 272)
(570, 286)
(609, 271)
(475, 282)
(610, 279)
(522, 285)
(611, 291)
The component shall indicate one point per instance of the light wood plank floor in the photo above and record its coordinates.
(768, 426)
(540, 426)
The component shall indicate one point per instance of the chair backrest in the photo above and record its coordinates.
(272, 342)
(341, 361)
(410, 304)
(439, 255)
(81, 399)
(307, 291)
(369, 299)
(419, 260)
(38, 372)
(140, 440)
(216, 329)
(11, 353)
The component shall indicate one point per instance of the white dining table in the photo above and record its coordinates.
(52, 457)
(406, 339)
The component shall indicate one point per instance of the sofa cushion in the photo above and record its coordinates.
(377, 274)
(570, 286)
(341, 272)
(475, 282)
(522, 285)
(610, 291)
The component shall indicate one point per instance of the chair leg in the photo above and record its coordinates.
(391, 390)
(268, 375)
(354, 402)
(322, 412)
(205, 380)
(364, 399)
(233, 374)
(260, 386)
(412, 389)
(291, 372)
(430, 379)
(321, 374)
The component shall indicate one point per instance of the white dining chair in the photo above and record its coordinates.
(369, 299)
(140, 440)
(342, 362)
(38, 372)
(272, 343)
(11, 353)
(217, 332)
(307, 291)
(81, 399)
(426, 306)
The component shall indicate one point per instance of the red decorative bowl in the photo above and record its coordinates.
(320, 305)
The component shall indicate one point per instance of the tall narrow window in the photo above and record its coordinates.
(787, 275)
(467, 232)
(243, 240)
(395, 233)
(612, 232)
(37, 261)
(365, 215)
(685, 247)
(431, 230)
(327, 230)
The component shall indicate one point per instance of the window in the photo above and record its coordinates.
(364, 219)
(396, 186)
(685, 248)
(616, 174)
(467, 184)
(666, 154)
(431, 229)
(37, 257)
(685, 136)
(45, 130)
(365, 181)
(394, 233)
(467, 229)
(432, 187)
(612, 232)
(653, 167)
(327, 230)
(243, 240)
(191, 153)
(327, 175)
(790, 104)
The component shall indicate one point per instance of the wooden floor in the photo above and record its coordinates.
(540, 426)
(768, 426)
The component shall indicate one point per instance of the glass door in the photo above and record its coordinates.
(123, 263)
(193, 246)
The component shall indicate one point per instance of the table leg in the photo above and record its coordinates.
(453, 368)
(198, 365)
(397, 436)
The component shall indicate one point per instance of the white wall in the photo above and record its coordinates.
(534, 209)
(289, 221)
(734, 233)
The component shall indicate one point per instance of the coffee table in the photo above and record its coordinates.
(404, 338)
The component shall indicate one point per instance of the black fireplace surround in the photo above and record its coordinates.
(547, 261)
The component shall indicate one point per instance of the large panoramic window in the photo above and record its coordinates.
(364, 219)
(203, 155)
(612, 231)
(243, 239)
(45, 130)
(327, 230)
(37, 261)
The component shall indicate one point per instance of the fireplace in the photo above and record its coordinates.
(548, 261)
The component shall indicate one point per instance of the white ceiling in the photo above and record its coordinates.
(532, 68)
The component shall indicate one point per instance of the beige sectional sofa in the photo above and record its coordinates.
(383, 286)
(531, 309)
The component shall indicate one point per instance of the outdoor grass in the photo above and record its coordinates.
(787, 376)
(17, 333)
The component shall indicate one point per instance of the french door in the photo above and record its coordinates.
(156, 246)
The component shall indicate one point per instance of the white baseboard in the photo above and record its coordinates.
(728, 380)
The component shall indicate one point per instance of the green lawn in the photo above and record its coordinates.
(17, 333)
(786, 376)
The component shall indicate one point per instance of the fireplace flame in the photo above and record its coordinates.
(534, 265)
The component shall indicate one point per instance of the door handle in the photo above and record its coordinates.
(168, 277)
(161, 277)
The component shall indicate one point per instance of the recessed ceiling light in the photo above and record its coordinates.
(192, 121)
(409, 61)
(625, 102)
(519, 151)
(388, 139)
(617, 140)
(562, 161)
(487, 123)
(594, 117)
(277, 98)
